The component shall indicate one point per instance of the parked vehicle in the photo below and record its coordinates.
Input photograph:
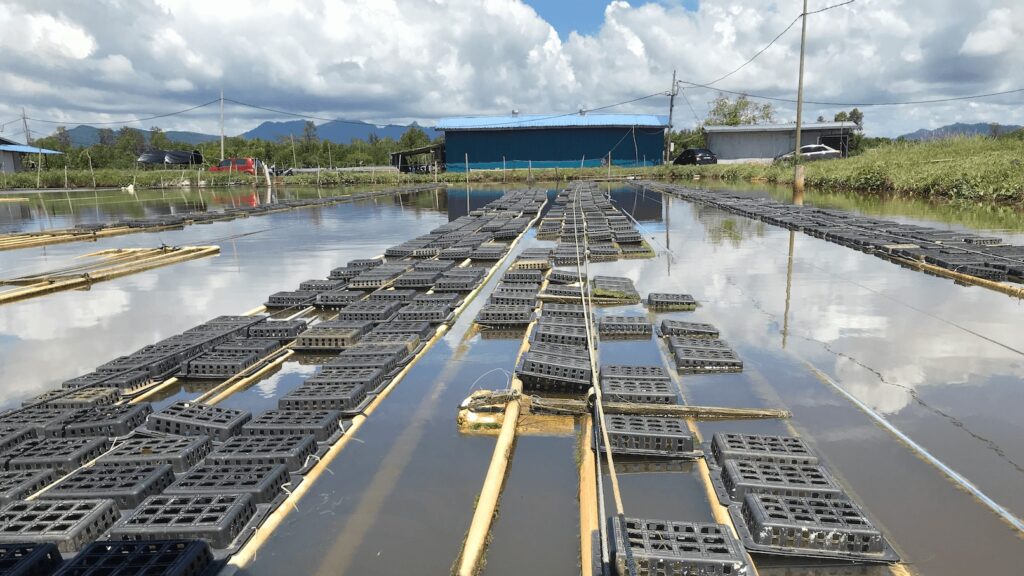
(696, 156)
(252, 166)
(812, 152)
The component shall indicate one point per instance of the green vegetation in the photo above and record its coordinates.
(727, 112)
(978, 169)
(967, 169)
(120, 149)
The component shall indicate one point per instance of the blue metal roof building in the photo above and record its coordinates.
(11, 151)
(549, 141)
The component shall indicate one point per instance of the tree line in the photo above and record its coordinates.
(121, 148)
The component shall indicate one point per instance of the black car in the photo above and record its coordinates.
(696, 156)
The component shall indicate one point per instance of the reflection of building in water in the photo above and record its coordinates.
(13, 215)
(434, 200)
(477, 199)
(724, 227)
(644, 206)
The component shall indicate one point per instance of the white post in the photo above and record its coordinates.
(221, 123)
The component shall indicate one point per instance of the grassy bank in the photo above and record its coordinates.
(965, 169)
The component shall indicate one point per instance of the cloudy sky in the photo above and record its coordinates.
(403, 60)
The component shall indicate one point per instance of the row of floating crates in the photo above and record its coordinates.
(619, 326)
(963, 252)
(558, 359)
(156, 468)
(696, 349)
(665, 301)
(783, 501)
(650, 546)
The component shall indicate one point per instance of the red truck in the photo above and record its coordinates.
(244, 165)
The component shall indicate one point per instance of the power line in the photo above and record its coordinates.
(774, 40)
(858, 104)
(295, 114)
(108, 122)
(690, 106)
(584, 110)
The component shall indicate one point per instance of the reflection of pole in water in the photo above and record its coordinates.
(666, 201)
(789, 289)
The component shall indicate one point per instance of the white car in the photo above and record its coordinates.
(812, 152)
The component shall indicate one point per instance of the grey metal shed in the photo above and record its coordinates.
(763, 142)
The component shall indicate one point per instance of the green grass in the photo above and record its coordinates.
(973, 169)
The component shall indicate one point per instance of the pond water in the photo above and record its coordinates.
(940, 361)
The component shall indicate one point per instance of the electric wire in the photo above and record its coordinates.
(856, 104)
(583, 110)
(774, 40)
(109, 122)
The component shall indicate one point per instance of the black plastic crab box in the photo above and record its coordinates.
(668, 548)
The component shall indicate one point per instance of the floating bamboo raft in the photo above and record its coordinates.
(103, 265)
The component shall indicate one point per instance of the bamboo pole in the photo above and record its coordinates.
(589, 515)
(564, 405)
(45, 286)
(219, 393)
(487, 502)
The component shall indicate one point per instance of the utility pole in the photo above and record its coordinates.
(221, 123)
(295, 159)
(24, 123)
(798, 169)
(671, 106)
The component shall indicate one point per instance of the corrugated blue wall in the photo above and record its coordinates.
(552, 147)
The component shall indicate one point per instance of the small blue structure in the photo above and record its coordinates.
(11, 152)
(550, 141)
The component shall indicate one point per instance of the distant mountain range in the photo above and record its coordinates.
(340, 132)
(337, 132)
(89, 135)
(959, 129)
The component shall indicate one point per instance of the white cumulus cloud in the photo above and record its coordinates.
(403, 60)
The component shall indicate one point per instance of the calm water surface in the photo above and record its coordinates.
(942, 362)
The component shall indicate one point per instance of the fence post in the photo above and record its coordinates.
(89, 156)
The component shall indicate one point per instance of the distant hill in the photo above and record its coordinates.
(89, 135)
(959, 129)
(340, 133)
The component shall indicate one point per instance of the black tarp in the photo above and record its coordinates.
(171, 157)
